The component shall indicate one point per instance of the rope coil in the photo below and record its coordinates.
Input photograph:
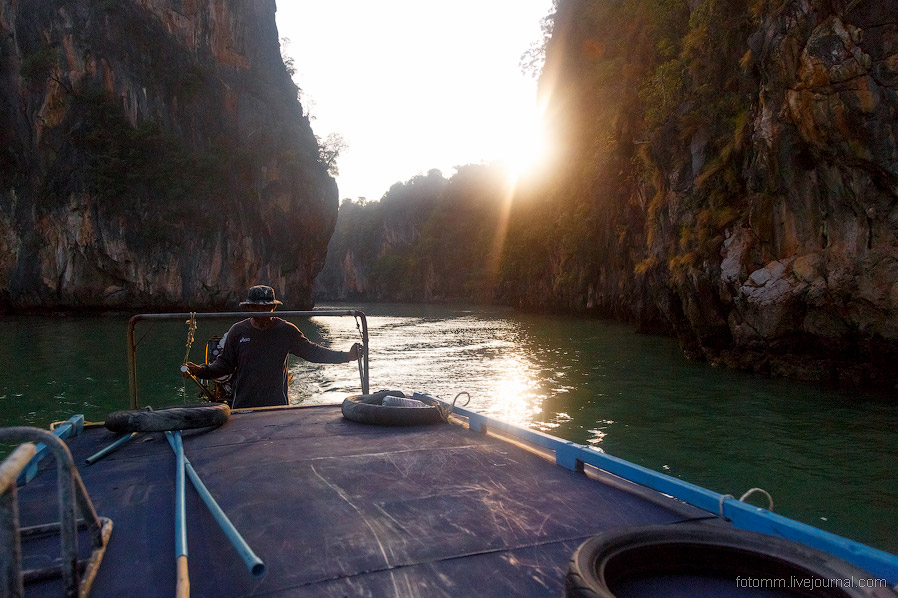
(191, 329)
(760, 491)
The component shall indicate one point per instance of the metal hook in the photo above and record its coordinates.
(761, 491)
(460, 394)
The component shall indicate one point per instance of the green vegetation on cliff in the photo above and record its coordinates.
(648, 99)
(632, 84)
(427, 239)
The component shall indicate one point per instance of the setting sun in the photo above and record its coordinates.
(528, 148)
(411, 86)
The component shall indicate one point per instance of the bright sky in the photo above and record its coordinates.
(415, 84)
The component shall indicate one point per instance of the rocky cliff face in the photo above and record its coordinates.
(375, 250)
(740, 179)
(813, 269)
(155, 156)
(427, 240)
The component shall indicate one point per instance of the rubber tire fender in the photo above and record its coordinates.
(173, 418)
(368, 409)
(698, 549)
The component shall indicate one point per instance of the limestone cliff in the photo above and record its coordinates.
(731, 176)
(154, 155)
(375, 250)
(428, 240)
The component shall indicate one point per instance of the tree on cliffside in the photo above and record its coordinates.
(329, 150)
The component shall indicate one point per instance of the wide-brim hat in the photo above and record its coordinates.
(260, 295)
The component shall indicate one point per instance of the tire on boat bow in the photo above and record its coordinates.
(705, 560)
(369, 409)
(173, 418)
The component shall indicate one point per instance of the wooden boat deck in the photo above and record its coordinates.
(336, 508)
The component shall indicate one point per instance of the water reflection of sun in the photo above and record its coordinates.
(517, 390)
(490, 359)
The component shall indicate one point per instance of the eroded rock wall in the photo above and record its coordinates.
(155, 156)
(809, 277)
(736, 165)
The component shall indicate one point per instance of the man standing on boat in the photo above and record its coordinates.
(256, 350)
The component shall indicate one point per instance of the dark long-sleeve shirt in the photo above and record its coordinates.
(258, 360)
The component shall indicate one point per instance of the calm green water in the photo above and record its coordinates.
(828, 457)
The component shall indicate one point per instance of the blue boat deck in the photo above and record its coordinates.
(336, 508)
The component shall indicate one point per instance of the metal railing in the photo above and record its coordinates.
(132, 344)
(77, 575)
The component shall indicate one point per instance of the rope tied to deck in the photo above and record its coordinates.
(360, 354)
(445, 412)
(760, 491)
(742, 498)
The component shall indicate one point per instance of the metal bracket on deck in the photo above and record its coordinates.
(73, 501)
(71, 428)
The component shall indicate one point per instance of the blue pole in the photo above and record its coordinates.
(114, 446)
(180, 502)
(183, 581)
(253, 563)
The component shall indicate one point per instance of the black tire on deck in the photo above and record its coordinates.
(604, 561)
(368, 409)
(173, 418)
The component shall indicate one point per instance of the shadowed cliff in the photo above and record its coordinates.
(154, 155)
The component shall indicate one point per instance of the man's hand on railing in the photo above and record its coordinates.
(191, 369)
(356, 351)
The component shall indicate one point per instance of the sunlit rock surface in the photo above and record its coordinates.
(154, 156)
(824, 137)
(770, 244)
